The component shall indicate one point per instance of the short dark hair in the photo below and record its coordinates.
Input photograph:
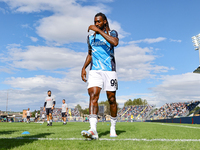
(63, 99)
(48, 91)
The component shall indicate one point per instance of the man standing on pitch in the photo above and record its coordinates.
(64, 112)
(49, 104)
(102, 72)
(28, 115)
(36, 116)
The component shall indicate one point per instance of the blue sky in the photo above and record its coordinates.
(43, 46)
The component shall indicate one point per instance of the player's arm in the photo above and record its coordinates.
(66, 110)
(87, 62)
(45, 103)
(112, 40)
(54, 103)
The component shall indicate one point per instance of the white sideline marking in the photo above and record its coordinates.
(179, 126)
(39, 122)
(105, 139)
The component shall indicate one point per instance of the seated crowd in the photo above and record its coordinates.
(138, 111)
(179, 109)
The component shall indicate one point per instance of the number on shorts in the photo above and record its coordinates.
(113, 82)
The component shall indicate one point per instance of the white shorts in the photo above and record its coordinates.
(107, 80)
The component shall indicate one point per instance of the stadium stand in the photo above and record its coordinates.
(138, 111)
(174, 110)
(73, 114)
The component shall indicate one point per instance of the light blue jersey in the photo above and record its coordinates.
(102, 52)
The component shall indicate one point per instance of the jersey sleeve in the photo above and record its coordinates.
(53, 99)
(114, 33)
(88, 42)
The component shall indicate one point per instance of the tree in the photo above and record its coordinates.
(106, 107)
(137, 101)
(128, 103)
(78, 106)
(33, 113)
(85, 111)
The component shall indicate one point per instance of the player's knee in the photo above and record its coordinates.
(94, 98)
(112, 100)
(94, 102)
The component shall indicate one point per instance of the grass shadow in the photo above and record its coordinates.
(20, 141)
(104, 133)
(118, 132)
(8, 132)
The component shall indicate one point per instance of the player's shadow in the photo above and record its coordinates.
(118, 132)
(8, 132)
(20, 141)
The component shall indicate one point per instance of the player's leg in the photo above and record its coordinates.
(64, 119)
(47, 113)
(94, 93)
(47, 120)
(113, 110)
(50, 116)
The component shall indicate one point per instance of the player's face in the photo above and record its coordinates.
(99, 22)
(63, 101)
(49, 93)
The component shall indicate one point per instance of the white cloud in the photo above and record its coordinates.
(177, 88)
(4, 69)
(69, 22)
(31, 92)
(26, 26)
(34, 39)
(41, 57)
(136, 63)
(149, 40)
(133, 62)
(179, 41)
(3, 10)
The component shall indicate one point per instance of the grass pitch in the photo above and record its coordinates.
(137, 135)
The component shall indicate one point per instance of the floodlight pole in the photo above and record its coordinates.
(196, 41)
(199, 55)
(7, 103)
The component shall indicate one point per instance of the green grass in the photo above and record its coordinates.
(138, 130)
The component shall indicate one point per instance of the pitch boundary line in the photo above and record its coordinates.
(179, 126)
(104, 139)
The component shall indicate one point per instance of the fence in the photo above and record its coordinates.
(188, 120)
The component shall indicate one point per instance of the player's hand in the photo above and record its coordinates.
(83, 75)
(52, 108)
(44, 109)
(93, 28)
